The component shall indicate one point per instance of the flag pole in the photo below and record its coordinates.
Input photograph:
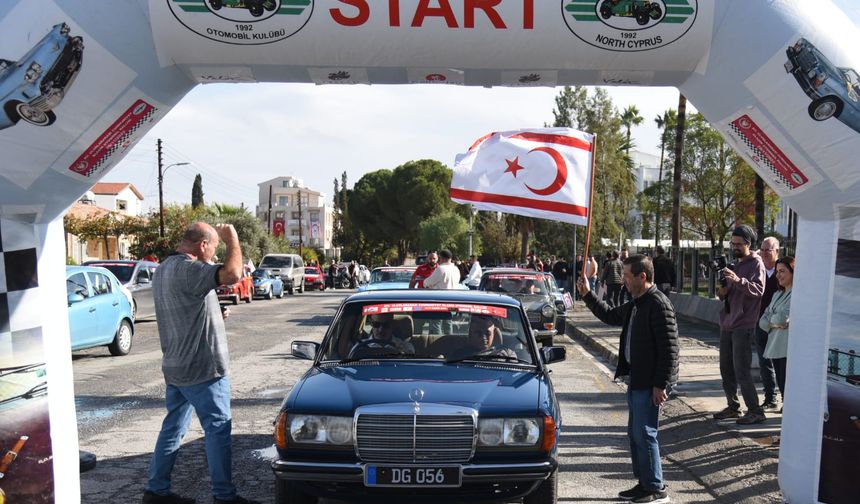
(590, 204)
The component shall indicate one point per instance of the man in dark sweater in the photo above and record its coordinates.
(769, 253)
(664, 271)
(612, 277)
(648, 356)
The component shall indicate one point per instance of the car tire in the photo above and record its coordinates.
(605, 9)
(256, 8)
(655, 11)
(290, 289)
(825, 107)
(280, 293)
(302, 286)
(215, 4)
(45, 119)
(270, 294)
(11, 109)
(269, 5)
(250, 296)
(546, 492)
(286, 492)
(642, 17)
(235, 299)
(121, 344)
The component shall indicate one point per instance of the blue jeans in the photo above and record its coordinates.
(211, 402)
(642, 424)
(765, 367)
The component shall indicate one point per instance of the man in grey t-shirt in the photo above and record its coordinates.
(195, 362)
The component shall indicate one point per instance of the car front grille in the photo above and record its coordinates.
(807, 60)
(415, 438)
(534, 317)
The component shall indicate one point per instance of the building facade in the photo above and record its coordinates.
(121, 199)
(298, 213)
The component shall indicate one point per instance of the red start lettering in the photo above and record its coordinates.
(358, 12)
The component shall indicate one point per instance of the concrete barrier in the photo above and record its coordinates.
(698, 308)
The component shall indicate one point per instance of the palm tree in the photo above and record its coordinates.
(629, 118)
(663, 122)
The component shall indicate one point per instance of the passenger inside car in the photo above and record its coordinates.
(484, 339)
(381, 337)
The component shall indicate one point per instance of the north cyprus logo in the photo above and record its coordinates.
(629, 25)
(243, 22)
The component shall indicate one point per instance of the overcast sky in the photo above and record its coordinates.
(238, 135)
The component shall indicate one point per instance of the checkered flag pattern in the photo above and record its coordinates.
(20, 320)
(121, 143)
(760, 158)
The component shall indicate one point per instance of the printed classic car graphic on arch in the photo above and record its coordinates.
(642, 11)
(36, 84)
(255, 7)
(835, 91)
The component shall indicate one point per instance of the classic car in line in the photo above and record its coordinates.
(267, 285)
(641, 10)
(241, 290)
(421, 395)
(531, 289)
(255, 7)
(36, 84)
(314, 278)
(389, 277)
(835, 91)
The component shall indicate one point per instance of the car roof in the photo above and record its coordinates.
(83, 268)
(117, 262)
(444, 296)
(394, 268)
(512, 271)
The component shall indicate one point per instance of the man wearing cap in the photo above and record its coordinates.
(741, 294)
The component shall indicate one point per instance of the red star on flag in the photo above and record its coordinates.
(513, 166)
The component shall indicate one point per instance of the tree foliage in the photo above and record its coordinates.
(445, 230)
(197, 192)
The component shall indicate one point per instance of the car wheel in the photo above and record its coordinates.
(11, 109)
(825, 107)
(250, 296)
(256, 8)
(270, 293)
(236, 299)
(121, 344)
(655, 11)
(302, 286)
(546, 492)
(215, 4)
(281, 292)
(286, 492)
(35, 116)
(134, 310)
(290, 290)
(605, 9)
(269, 5)
(642, 17)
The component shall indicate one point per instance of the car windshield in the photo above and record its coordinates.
(311, 271)
(276, 262)
(258, 273)
(429, 330)
(380, 276)
(122, 272)
(515, 284)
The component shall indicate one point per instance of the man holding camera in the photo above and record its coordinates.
(741, 289)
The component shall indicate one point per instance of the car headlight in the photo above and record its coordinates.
(33, 72)
(548, 311)
(318, 429)
(508, 432)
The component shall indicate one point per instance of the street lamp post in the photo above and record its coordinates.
(161, 195)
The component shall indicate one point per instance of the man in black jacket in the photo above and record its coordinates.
(664, 271)
(648, 355)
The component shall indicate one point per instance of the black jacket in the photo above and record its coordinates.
(664, 270)
(654, 350)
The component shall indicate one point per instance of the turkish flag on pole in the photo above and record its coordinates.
(278, 228)
(544, 173)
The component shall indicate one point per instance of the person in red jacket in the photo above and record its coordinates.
(423, 271)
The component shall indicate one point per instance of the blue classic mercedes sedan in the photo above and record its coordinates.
(421, 395)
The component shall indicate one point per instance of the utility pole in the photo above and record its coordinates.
(269, 212)
(471, 212)
(300, 223)
(160, 192)
(161, 172)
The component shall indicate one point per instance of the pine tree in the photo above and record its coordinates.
(197, 192)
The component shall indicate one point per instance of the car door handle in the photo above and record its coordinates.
(92, 309)
(115, 303)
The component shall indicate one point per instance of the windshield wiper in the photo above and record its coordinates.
(40, 389)
(489, 357)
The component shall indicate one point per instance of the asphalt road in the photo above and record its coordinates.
(120, 408)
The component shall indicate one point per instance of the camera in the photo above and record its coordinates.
(717, 265)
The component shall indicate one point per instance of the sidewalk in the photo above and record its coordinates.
(723, 454)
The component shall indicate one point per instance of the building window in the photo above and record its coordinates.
(283, 200)
(296, 216)
(279, 215)
(121, 205)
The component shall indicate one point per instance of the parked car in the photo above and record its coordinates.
(563, 302)
(393, 414)
(136, 276)
(267, 285)
(389, 277)
(34, 85)
(641, 10)
(835, 91)
(255, 7)
(531, 289)
(242, 290)
(314, 278)
(290, 267)
(99, 313)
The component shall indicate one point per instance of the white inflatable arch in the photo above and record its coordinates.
(82, 81)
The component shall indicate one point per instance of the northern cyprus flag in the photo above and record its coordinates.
(543, 173)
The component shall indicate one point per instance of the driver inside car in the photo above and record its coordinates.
(482, 334)
(382, 335)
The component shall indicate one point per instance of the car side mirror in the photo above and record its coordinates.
(553, 354)
(306, 350)
(143, 280)
(75, 298)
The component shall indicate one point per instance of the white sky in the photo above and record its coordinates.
(238, 135)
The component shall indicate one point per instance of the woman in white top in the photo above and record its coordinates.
(774, 320)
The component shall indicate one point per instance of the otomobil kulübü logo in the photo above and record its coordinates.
(629, 25)
(243, 22)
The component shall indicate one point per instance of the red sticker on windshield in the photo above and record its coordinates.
(514, 277)
(495, 311)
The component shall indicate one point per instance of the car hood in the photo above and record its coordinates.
(533, 303)
(491, 391)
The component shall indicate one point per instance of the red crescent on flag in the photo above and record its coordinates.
(560, 176)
